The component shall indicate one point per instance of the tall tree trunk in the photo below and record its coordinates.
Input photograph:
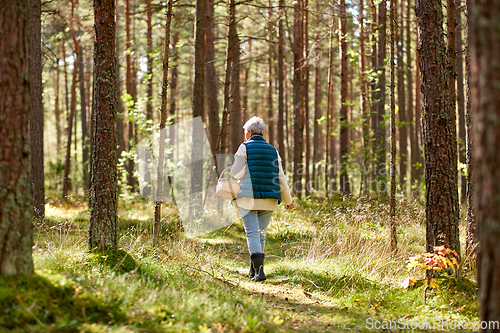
(329, 161)
(460, 98)
(198, 108)
(163, 121)
(281, 82)
(317, 107)
(103, 233)
(57, 111)
(129, 88)
(373, 88)
(392, 204)
(380, 136)
(211, 80)
(149, 50)
(418, 112)
(298, 98)
(173, 77)
(344, 126)
(411, 114)
(72, 115)
(235, 114)
(471, 235)
(270, 108)
(36, 112)
(442, 211)
(16, 198)
(83, 116)
(365, 120)
(484, 60)
(307, 140)
(119, 108)
(403, 129)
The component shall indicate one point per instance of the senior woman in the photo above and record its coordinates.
(263, 187)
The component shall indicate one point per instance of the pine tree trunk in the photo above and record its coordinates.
(129, 88)
(317, 108)
(442, 209)
(83, 117)
(149, 56)
(373, 88)
(380, 136)
(198, 109)
(281, 78)
(211, 80)
(36, 112)
(163, 121)
(392, 204)
(307, 141)
(57, 111)
(235, 114)
(298, 98)
(365, 120)
(103, 233)
(403, 129)
(460, 98)
(270, 108)
(471, 235)
(72, 115)
(16, 198)
(344, 126)
(415, 150)
(119, 108)
(484, 59)
(329, 146)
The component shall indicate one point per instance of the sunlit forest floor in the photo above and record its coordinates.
(328, 265)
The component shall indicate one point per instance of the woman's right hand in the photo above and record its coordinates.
(290, 206)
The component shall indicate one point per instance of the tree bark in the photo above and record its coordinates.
(119, 109)
(103, 233)
(380, 136)
(484, 59)
(130, 90)
(459, 68)
(57, 111)
(415, 150)
(392, 204)
(281, 78)
(317, 107)
(211, 80)
(163, 121)
(198, 109)
(36, 112)
(373, 103)
(298, 97)
(83, 116)
(471, 235)
(403, 129)
(442, 209)
(344, 125)
(235, 114)
(365, 117)
(306, 67)
(329, 147)
(16, 198)
(149, 50)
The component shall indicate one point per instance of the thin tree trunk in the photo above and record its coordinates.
(365, 120)
(103, 233)
(281, 78)
(57, 111)
(329, 116)
(418, 114)
(411, 114)
(403, 129)
(298, 98)
(380, 136)
(16, 203)
(460, 98)
(198, 110)
(373, 87)
(129, 88)
(149, 60)
(119, 108)
(317, 107)
(163, 121)
(36, 112)
(72, 115)
(442, 209)
(484, 59)
(235, 114)
(211, 80)
(471, 235)
(83, 116)
(307, 139)
(344, 126)
(392, 208)
(270, 108)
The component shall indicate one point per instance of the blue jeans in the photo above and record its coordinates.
(256, 223)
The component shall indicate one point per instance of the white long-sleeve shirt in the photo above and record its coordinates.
(238, 171)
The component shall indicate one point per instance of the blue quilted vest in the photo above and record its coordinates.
(261, 180)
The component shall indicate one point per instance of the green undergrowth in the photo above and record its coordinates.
(329, 268)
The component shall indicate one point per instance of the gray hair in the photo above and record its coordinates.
(255, 124)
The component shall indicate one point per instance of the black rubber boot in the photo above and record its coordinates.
(251, 274)
(258, 265)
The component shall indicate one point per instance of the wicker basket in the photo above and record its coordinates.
(227, 188)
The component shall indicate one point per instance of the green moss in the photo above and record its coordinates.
(117, 260)
(36, 300)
